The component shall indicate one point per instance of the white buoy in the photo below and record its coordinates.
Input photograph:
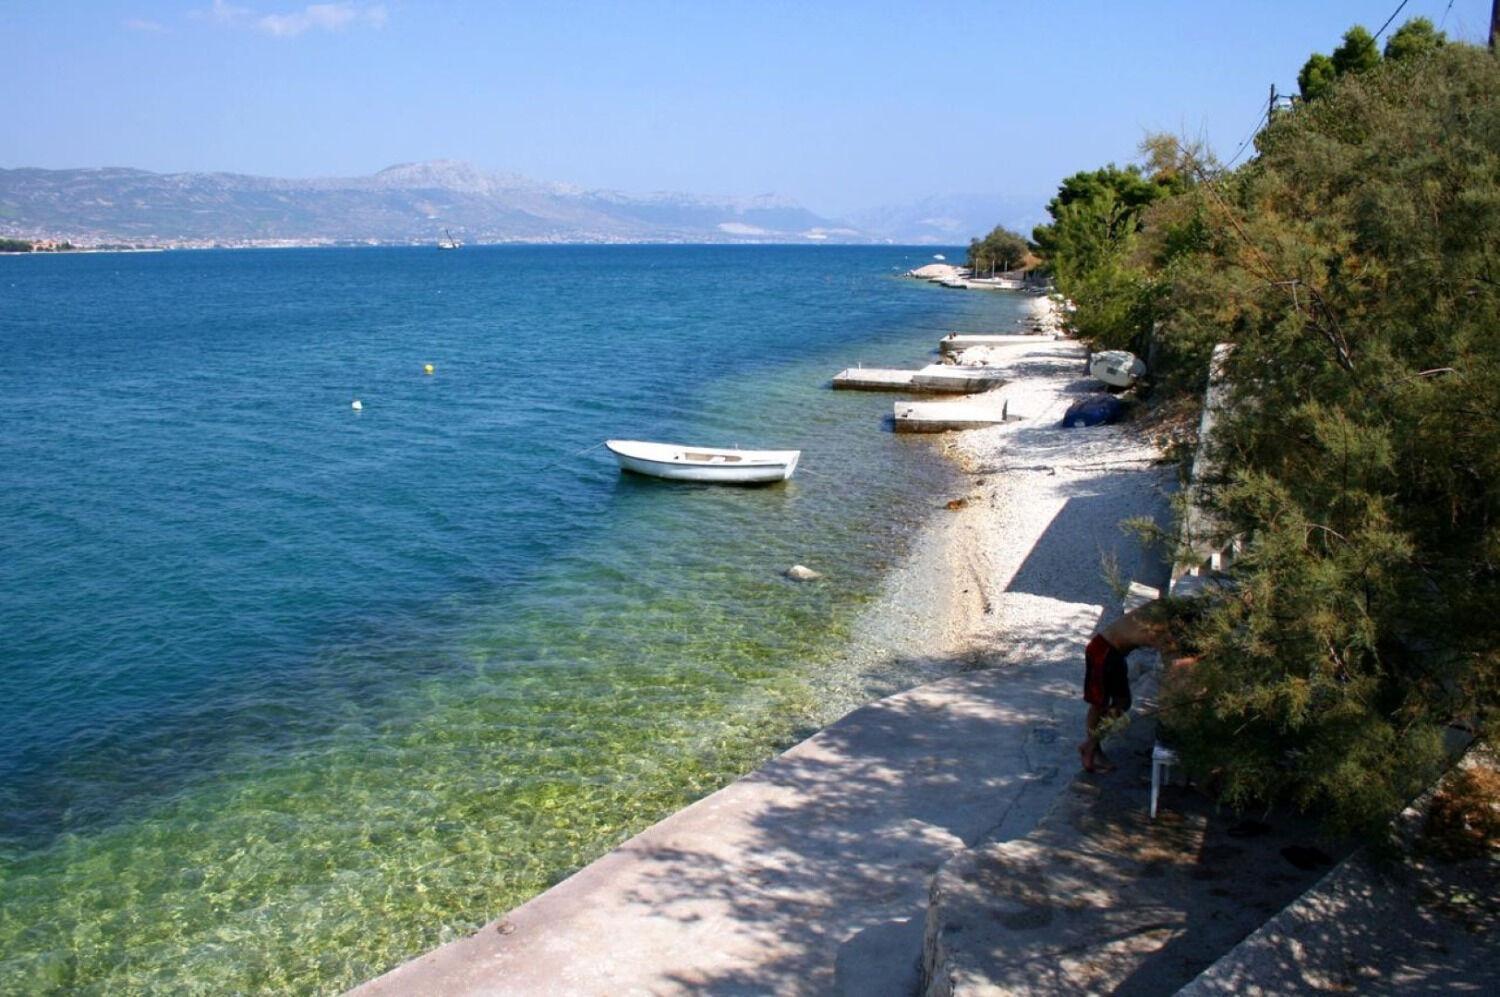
(357, 406)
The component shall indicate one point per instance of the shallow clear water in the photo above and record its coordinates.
(291, 692)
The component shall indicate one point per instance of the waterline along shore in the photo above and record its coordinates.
(810, 875)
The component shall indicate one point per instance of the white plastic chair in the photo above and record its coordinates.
(1162, 760)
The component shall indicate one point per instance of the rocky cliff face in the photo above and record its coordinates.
(408, 203)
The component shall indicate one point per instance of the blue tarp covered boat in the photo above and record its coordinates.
(1095, 410)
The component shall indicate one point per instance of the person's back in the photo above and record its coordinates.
(1143, 626)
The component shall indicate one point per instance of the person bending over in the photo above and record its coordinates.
(1106, 677)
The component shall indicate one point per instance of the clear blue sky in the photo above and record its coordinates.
(841, 105)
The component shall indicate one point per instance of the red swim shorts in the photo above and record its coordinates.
(1106, 677)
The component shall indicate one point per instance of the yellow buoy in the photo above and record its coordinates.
(427, 368)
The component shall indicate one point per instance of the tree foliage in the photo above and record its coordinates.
(1096, 217)
(1415, 38)
(1002, 249)
(1317, 76)
(1353, 265)
(1357, 53)
(1362, 457)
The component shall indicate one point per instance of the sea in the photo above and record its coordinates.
(291, 692)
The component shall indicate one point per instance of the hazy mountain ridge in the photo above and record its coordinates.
(953, 219)
(411, 202)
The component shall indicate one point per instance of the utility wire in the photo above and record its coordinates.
(1388, 20)
(1446, 10)
(1264, 117)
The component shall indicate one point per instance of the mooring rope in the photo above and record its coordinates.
(580, 453)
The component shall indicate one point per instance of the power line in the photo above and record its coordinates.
(1388, 20)
(1444, 21)
(1264, 117)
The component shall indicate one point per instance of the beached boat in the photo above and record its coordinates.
(707, 464)
(1095, 410)
(1116, 368)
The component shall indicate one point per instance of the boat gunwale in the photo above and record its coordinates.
(784, 457)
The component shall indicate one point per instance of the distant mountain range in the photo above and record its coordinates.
(415, 203)
(953, 219)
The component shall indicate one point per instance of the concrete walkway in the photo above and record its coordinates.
(1100, 899)
(808, 876)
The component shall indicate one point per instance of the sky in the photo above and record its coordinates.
(842, 106)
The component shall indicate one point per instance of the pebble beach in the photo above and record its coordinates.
(961, 593)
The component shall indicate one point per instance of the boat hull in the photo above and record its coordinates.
(1116, 368)
(704, 464)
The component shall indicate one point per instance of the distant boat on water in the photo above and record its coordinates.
(452, 243)
(707, 464)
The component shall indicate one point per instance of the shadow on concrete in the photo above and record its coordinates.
(1085, 537)
(832, 878)
(1100, 899)
(1409, 922)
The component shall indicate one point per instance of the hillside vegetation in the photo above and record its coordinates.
(1353, 261)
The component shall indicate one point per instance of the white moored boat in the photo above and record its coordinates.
(1116, 368)
(709, 464)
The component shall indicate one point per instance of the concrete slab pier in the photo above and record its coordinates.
(943, 417)
(956, 342)
(957, 380)
(936, 378)
(873, 379)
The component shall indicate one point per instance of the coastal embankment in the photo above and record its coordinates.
(811, 874)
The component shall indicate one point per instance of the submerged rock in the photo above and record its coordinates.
(802, 573)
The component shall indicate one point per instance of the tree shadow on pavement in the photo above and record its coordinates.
(832, 859)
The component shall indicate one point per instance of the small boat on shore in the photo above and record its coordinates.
(1116, 368)
(706, 464)
(1095, 410)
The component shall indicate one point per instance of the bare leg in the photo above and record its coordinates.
(1089, 751)
(1088, 748)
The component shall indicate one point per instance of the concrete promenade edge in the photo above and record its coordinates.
(807, 876)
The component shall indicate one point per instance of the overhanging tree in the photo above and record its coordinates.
(1353, 266)
(1352, 263)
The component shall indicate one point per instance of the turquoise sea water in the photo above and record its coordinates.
(289, 692)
